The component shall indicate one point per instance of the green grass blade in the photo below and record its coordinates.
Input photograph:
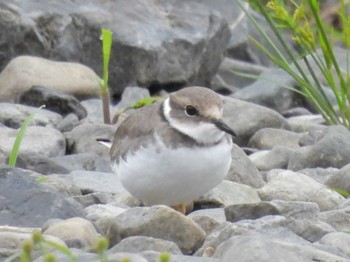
(106, 35)
(19, 137)
(62, 249)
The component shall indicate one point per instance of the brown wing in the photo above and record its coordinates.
(132, 133)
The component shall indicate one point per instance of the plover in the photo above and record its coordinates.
(175, 150)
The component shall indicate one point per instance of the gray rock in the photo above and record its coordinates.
(268, 138)
(158, 222)
(75, 232)
(44, 141)
(239, 212)
(217, 214)
(13, 115)
(54, 100)
(82, 139)
(339, 219)
(276, 158)
(62, 185)
(206, 223)
(296, 111)
(99, 211)
(305, 123)
(70, 78)
(331, 149)
(68, 123)
(297, 209)
(242, 170)
(228, 193)
(310, 230)
(247, 118)
(260, 248)
(80, 255)
(340, 180)
(84, 161)
(338, 240)
(292, 186)
(40, 164)
(90, 181)
(94, 198)
(170, 46)
(137, 244)
(153, 256)
(319, 174)
(11, 240)
(131, 95)
(25, 202)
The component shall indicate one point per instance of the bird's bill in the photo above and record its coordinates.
(223, 127)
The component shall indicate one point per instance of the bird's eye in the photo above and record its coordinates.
(191, 110)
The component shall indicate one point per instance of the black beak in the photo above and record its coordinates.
(222, 126)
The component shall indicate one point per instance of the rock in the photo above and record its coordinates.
(170, 47)
(217, 214)
(247, 118)
(228, 193)
(319, 174)
(59, 184)
(206, 223)
(340, 180)
(242, 169)
(137, 244)
(276, 158)
(90, 181)
(131, 95)
(338, 240)
(82, 138)
(339, 219)
(75, 232)
(258, 247)
(25, 202)
(95, 112)
(270, 93)
(158, 222)
(268, 138)
(53, 100)
(84, 161)
(310, 230)
(292, 186)
(305, 123)
(68, 123)
(13, 115)
(44, 141)
(23, 72)
(239, 212)
(12, 238)
(330, 150)
(94, 198)
(153, 256)
(296, 209)
(40, 164)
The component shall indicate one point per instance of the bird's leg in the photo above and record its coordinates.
(180, 208)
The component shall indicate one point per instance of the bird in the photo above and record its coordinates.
(175, 150)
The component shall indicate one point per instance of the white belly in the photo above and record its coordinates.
(159, 175)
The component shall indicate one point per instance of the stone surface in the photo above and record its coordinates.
(75, 232)
(268, 138)
(247, 118)
(292, 186)
(339, 219)
(39, 140)
(25, 202)
(258, 248)
(340, 180)
(228, 193)
(173, 42)
(242, 170)
(13, 115)
(84, 161)
(331, 149)
(338, 240)
(82, 139)
(137, 244)
(238, 212)
(23, 72)
(158, 222)
(53, 100)
(276, 158)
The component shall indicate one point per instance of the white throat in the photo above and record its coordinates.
(202, 132)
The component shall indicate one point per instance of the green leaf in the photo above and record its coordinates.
(144, 102)
(19, 137)
(106, 35)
